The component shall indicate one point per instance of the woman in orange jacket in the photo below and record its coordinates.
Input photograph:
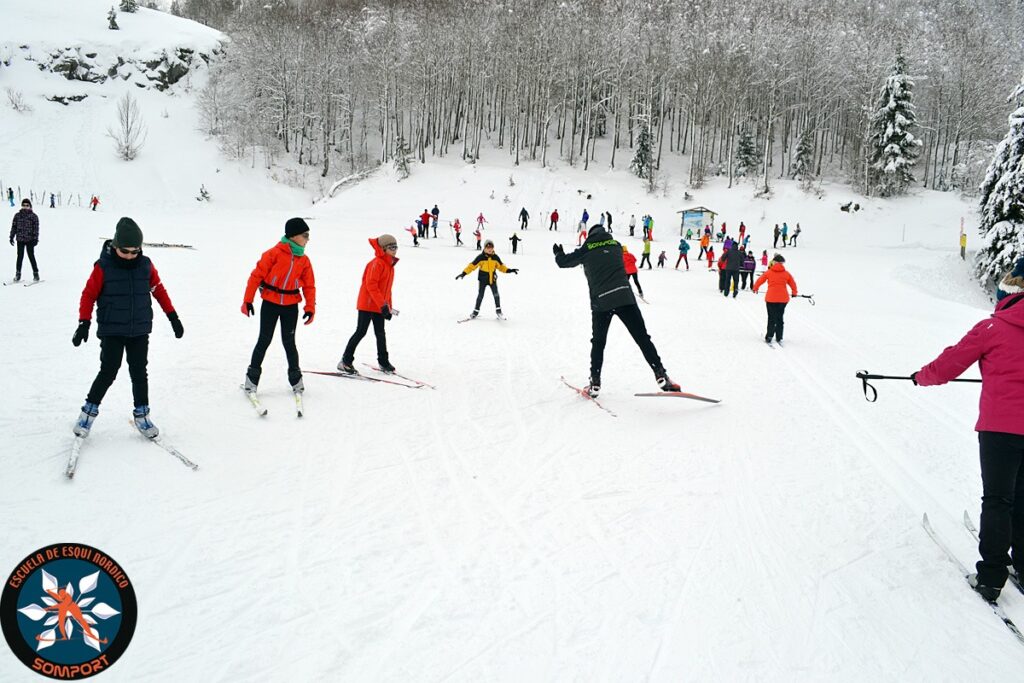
(282, 271)
(777, 296)
(374, 303)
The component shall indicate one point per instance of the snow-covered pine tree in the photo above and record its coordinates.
(803, 160)
(1002, 201)
(895, 148)
(643, 159)
(402, 157)
(748, 157)
(112, 18)
(129, 6)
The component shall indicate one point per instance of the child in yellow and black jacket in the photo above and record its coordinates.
(489, 264)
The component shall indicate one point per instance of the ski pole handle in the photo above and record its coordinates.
(864, 376)
(809, 297)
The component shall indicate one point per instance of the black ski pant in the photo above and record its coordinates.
(775, 322)
(775, 242)
(639, 289)
(634, 321)
(702, 254)
(362, 326)
(732, 281)
(646, 258)
(30, 247)
(553, 226)
(515, 247)
(269, 316)
(458, 239)
(480, 296)
(722, 278)
(743, 278)
(112, 350)
(1002, 506)
(524, 224)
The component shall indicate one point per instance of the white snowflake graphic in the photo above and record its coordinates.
(62, 610)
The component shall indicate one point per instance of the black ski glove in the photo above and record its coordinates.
(308, 317)
(557, 249)
(385, 311)
(247, 309)
(913, 378)
(176, 325)
(460, 276)
(12, 241)
(82, 333)
(514, 271)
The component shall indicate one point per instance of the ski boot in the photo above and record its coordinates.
(347, 367)
(500, 315)
(474, 314)
(665, 383)
(298, 387)
(35, 277)
(17, 276)
(248, 386)
(594, 388)
(386, 367)
(85, 419)
(143, 423)
(990, 593)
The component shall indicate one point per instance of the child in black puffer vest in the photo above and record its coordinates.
(122, 286)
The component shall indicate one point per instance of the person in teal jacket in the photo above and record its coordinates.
(684, 249)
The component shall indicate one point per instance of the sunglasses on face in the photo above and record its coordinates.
(129, 251)
(26, 206)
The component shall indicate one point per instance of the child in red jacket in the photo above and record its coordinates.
(122, 286)
(374, 304)
(280, 273)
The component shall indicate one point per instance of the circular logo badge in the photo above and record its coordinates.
(68, 611)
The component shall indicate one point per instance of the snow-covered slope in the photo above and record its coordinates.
(500, 527)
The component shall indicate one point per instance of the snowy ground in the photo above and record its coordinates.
(500, 527)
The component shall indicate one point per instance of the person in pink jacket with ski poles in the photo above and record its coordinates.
(997, 345)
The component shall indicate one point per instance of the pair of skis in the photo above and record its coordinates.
(997, 609)
(76, 449)
(653, 394)
(476, 317)
(30, 283)
(261, 410)
(407, 382)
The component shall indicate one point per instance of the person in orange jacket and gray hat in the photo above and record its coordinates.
(374, 303)
(776, 298)
(280, 274)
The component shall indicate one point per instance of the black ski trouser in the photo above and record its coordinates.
(646, 258)
(515, 247)
(722, 280)
(112, 350)
(553, 226)
(1002, 506)
(269, 316)
(775, 242)
(732, 281)
(743, 279)
(639, 289)
(524, 224)
(362, 326)
(480, 295)
(634, 321)
(775, 320)
(30, 247)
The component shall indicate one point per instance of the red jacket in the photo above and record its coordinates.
(554, 216)
(997, 345)
(630, 262)
(778, 279)
(279, 275)
(425, 217)
(375, 291)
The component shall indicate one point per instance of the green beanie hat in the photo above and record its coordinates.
(127, 234)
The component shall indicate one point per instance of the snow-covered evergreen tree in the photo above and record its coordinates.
(129, 6)
(895, 148)
(643, 159)
(1002, 201)
(748, 156)
(402, 157)
(112, 18)
(803, 160)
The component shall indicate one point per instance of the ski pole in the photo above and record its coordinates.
(864, 376)
(809, 297)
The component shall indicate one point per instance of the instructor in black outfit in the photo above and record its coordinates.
(610, 295)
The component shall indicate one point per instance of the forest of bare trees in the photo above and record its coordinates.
(335, 85)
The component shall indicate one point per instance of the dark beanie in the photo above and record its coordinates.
(295, 226)
(127, 234)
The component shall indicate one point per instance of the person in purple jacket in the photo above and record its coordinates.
(997, 345)
(25, 231)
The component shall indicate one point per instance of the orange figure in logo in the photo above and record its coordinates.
(67, 607)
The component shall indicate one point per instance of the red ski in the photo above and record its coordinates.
(584, 394)
(680, 394)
